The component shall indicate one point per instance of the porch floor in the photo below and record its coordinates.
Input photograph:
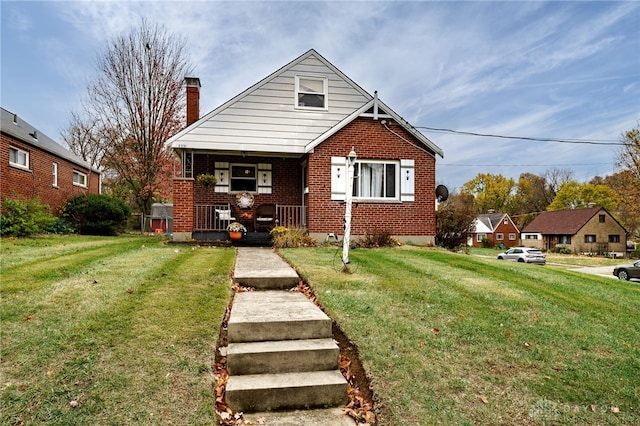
(254, 239)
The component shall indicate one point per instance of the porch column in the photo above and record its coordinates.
(182, 209)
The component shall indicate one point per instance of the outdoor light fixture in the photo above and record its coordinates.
(352, 157)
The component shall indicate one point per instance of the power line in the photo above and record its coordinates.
(521, 165)
(527, 138)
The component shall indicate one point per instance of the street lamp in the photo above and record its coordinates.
(351, 160)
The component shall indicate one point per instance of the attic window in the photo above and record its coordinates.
(311, 92)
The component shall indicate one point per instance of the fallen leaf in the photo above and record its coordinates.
(592, 408)
(436, 331)
(536, 318)
(461, 316)
(74, 403)
(507, 333)
(484, 399)
(527, 345)
(225, 416)
(129, 290)
(28, 318)
(614, 409)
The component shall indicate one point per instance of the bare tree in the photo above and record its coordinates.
(134, 105)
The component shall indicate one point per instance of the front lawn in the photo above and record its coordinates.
(458, 339)
(110, 330)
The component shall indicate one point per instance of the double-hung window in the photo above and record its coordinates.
(243, 177)
(18, 157)
(79, 179)
(376, 180)
(311, 92)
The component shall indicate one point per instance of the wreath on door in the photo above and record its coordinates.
(244, 200)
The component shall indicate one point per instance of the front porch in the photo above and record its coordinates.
(210, 221)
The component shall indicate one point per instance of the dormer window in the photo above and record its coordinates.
(311, 92)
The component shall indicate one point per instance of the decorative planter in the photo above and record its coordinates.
(235, 235)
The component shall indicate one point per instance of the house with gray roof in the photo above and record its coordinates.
(494, 230)
(34, 165)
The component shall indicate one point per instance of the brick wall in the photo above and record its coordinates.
(286, 181)
(183, 206)
(601, 230)
(38, 180)
(371, 141)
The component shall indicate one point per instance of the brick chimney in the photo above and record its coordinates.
(193, 99)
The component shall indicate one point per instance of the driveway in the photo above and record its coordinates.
(605, 271)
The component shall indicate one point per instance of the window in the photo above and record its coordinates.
(311, 92)
(480, 237)
(589, 238)
(601, 218)
(527, 236)
(500, 237)
(506, 221)
(614, 238)
(376, 180)
(55, 174)
(564, 239)
(243, 177)
(79, 179)
(512, 236)
(18, 157)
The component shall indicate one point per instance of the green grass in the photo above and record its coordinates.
(125, 326)
(457, 339)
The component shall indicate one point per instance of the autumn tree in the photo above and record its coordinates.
(133, 106)
(626, 185)
(491, 192)
(530, 198)
(629, 155)
(575, 195)
(455, 220)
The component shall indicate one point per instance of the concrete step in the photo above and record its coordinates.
(285, 356)
(263, 269)
(268, 392)
(276, 315)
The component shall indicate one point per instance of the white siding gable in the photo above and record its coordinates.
(264, 118)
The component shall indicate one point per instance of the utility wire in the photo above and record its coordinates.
(526, 138)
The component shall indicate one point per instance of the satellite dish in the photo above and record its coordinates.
(442, 193)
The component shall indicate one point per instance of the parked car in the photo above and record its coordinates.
(524, 254)
(626, 272)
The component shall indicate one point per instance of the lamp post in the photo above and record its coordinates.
(351, 159)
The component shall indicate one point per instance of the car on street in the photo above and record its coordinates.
(524, 254)
(626, 272)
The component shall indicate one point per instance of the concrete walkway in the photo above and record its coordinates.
(264, 269)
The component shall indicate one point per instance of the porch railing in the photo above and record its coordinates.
(292, 216)
(205, 218)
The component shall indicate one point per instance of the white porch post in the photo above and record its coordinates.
(351, 159)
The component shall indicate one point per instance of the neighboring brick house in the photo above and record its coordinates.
(33, 165)
(496, 229)
(285, 140)
(590, 230)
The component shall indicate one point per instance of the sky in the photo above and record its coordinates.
(558, 70)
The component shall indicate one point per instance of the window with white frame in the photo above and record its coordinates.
(55, 174)
(376, 180)
(480, 237)
(512, 236)
(243, 177)
(499, 236)
(311, 92)
(18, 157)
(79, 179)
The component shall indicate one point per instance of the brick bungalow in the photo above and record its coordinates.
(34, 165)
(496, 228)
(284, 141)
(590, 230)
